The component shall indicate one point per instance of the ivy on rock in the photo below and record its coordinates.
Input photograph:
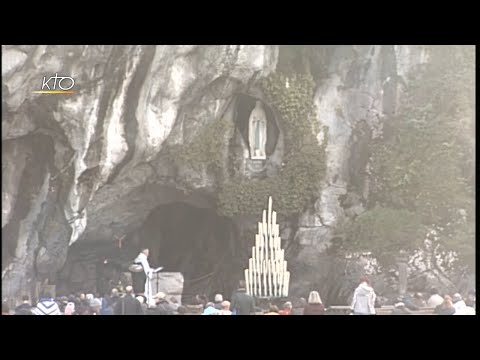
(304, 160)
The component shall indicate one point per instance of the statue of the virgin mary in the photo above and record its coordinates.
(257, 132)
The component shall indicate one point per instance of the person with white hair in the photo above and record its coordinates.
(400, 309)
(314, 305)
(162, 306)
(460, 307)
(225, 308)
(95, 306)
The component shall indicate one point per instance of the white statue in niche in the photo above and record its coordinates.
(257, 132)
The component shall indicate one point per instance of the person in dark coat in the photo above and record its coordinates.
(128, 305)
(25, 308)
(242, 303)
(162, 306)
(445, 308)
(400, 309)
(314, 306)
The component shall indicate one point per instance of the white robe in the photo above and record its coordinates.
(142, 258)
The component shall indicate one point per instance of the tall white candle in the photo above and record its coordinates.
(247, 282)
(287, 281)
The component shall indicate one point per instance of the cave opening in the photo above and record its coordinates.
(197, 242)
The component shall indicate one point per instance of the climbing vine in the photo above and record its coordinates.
(304, 159)
(206, 149)
(291, 93)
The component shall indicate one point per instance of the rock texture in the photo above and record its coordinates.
(84, 166)
(88, 167)
(362, 88)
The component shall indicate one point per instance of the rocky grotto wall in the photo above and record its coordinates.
(80, 171)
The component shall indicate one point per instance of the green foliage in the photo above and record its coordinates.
(304, 158)
(304, 59)
(206, 149)
(384, 232)
(426, 163)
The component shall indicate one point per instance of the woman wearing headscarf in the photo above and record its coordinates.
(314, 305)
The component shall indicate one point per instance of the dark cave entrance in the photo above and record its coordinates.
(197, 242)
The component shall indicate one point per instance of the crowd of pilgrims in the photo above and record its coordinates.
(364, 302)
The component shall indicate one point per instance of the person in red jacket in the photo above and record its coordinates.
(314, 306)
(287, 309)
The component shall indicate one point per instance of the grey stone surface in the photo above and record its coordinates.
(106, 171)
(171, 283)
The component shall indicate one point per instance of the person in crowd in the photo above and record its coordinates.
(141, 299)
(446, 307)
(225, 308)
(460, 306)
(46, 306)
(364, 296)
(5, 308)
(174, 305)
(62, 303)
(400, 309)
(287, 309)
(128, 305)
(242, 303)
(418, 300)
(314, 305)
(182, 310)
(210, 309)
(407, 300)
(218, 301)
(162, 307)
(25, 308)
(272, 310)
(299, 306)
(95, 306)
(107, 305)
(435, 299)
(470, 301)
(70, 308)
